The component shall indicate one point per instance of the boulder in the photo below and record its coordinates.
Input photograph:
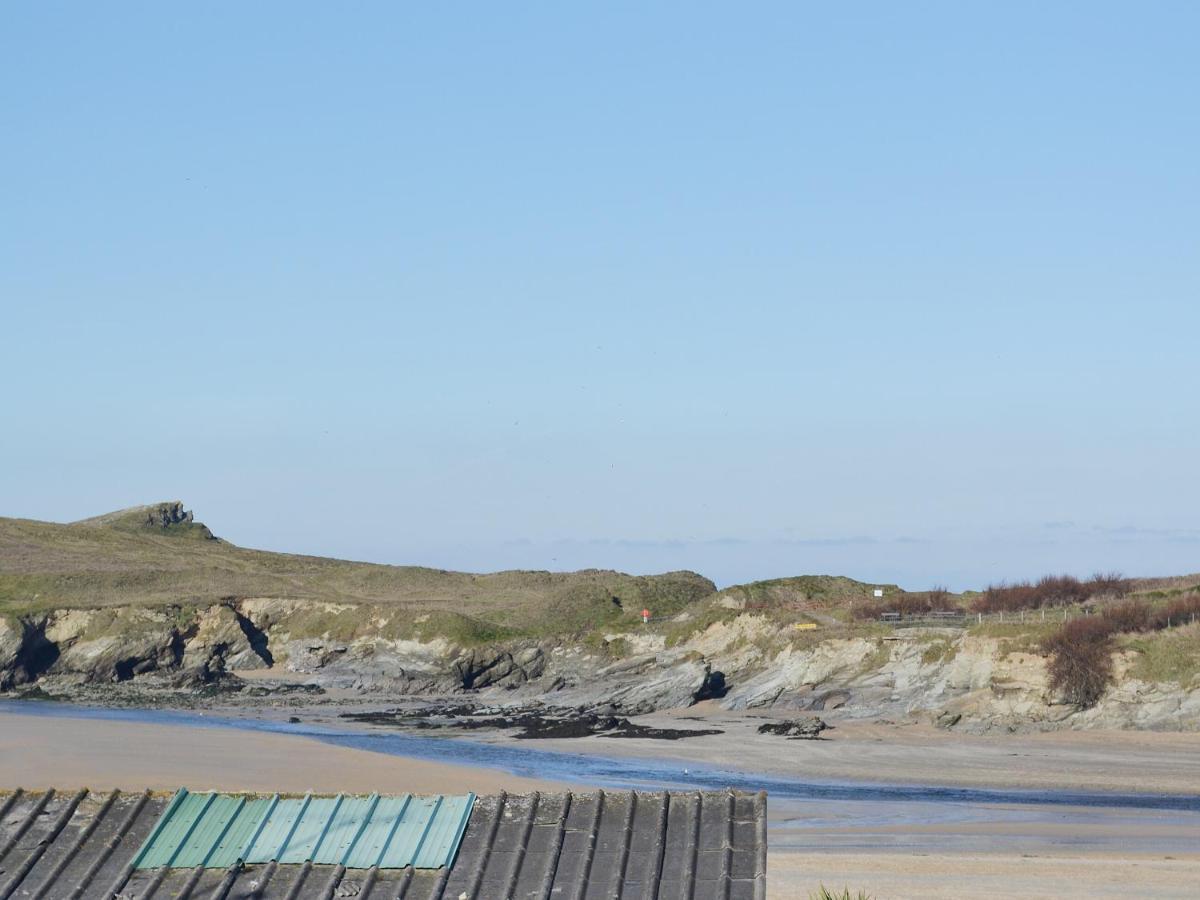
(795, 729)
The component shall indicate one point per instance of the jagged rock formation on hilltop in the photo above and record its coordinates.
(169, 516)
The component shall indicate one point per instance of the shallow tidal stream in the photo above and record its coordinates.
(806, 814)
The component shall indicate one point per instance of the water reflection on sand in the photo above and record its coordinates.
(804, 814)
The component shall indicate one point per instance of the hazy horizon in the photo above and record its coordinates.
(903, 293)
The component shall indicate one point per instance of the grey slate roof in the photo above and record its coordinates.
(657, 846)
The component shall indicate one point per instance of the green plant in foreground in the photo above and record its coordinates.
(825, 894)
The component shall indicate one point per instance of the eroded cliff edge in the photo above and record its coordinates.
(743, 660)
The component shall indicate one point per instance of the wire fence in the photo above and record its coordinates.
(949, 618)
(960, 619)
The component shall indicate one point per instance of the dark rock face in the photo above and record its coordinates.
(830, 700)
(193, 651)
(713, 688)
(25, 653)
(256, 638)
(134, 656)
(482, 668)
(795, 729)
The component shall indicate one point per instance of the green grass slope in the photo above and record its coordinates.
(157, 555)
(820, 591)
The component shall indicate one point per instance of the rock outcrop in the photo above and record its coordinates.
(950, 677)
(167, 514)
(25, 652)
(486, 667)
(225, 638)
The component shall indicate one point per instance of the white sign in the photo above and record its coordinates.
(878, 592)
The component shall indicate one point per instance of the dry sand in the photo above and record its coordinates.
(40, 752)
(896, 876)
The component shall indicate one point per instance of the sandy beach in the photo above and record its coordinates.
(1026, 858)
(41, 752)
(896, 876)
(1101, 761)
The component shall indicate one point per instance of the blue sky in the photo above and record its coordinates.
(905, 292)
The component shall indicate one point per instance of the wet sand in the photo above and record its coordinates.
(1102, 761)
(994, 853)
(41, 752)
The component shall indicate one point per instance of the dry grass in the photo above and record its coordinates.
(1170, 656)
(823, 893)
(876, 659)
(87, 565)
(939, 650)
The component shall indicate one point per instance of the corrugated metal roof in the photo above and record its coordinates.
(578, 846)
(217, 830)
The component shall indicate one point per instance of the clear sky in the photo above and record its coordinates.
(907, 292)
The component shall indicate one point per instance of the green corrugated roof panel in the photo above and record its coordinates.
(216, 830)
(242, 830)
(275, 830)
(173, 828)
(355, 813)
(208, 831)
(302, 844)
(441, 841)
(408, 837)
(369, 848)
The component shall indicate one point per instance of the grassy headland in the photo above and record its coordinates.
(158, 556)
(145, 557)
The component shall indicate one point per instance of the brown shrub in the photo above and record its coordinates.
(1181, 611)
(1050, 590)
(1060, 590)
(1109, 584)
(1081, 660)
(1132, 615)
(939, 597)
(1005, 597)
(1081, 650)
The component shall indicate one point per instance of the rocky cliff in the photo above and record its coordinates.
(955, 678)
